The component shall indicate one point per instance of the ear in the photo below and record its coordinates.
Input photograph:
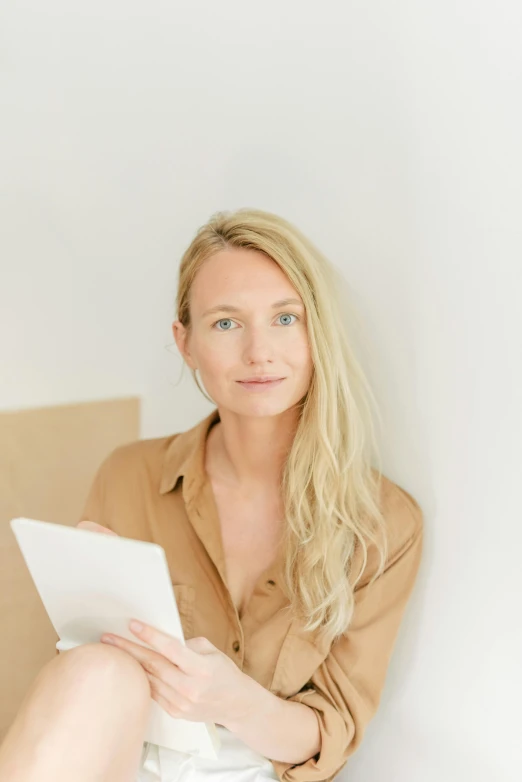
(181, 336)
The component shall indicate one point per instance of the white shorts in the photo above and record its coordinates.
(236, 762)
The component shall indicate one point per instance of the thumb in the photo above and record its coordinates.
(92, 526)
(201, 645)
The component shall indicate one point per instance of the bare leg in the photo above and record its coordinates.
(83, 719)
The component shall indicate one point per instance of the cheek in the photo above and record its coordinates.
(216, 356)
(297, 352)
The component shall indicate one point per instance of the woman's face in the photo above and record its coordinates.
(247, 321)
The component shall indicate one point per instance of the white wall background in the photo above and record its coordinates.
(390, 132)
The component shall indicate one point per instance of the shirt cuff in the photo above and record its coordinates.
(336, 737)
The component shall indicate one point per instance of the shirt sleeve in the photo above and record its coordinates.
(95, 506)
(345, 690)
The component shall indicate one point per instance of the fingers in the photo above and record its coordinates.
(92, 526)
(169, 700)
(167, 647)
(171, 648)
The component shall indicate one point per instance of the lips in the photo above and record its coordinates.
(256, 384)
(260, 379)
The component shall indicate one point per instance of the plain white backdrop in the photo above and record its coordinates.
(390, 133)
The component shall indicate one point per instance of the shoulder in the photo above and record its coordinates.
(403, 516)
(161, 460)
(403, 529)
(143, 458)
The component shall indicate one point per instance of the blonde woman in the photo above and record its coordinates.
(292, 556)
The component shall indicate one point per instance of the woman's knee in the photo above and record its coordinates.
(100, 665)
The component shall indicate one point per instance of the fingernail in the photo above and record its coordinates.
(136, 627)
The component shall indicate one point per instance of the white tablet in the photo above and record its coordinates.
(91, 584)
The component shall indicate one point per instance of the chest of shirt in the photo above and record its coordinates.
(267, 643)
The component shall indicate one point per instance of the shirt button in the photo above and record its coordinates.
(236, 646)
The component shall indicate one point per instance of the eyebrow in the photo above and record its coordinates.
(230, 308)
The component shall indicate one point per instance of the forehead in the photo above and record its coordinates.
(239, 277)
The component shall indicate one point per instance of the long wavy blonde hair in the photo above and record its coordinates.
(330, 490)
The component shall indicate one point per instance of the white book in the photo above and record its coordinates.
(91, 584)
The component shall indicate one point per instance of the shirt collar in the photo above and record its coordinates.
(185, 456)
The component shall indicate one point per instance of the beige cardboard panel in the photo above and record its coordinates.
(48, 458)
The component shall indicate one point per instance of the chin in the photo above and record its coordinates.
(260, 408)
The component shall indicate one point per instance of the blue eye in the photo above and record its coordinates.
(224, 320)
(287, 315)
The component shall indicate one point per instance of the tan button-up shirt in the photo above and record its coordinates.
(158, 490)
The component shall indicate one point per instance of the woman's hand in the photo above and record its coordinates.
(92, 526)
(196, 682)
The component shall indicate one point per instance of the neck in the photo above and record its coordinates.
(250, 451)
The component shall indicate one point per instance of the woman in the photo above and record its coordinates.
(292, 557)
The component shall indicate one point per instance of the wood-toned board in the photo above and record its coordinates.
(48, 458)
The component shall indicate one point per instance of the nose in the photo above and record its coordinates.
(258, 347)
